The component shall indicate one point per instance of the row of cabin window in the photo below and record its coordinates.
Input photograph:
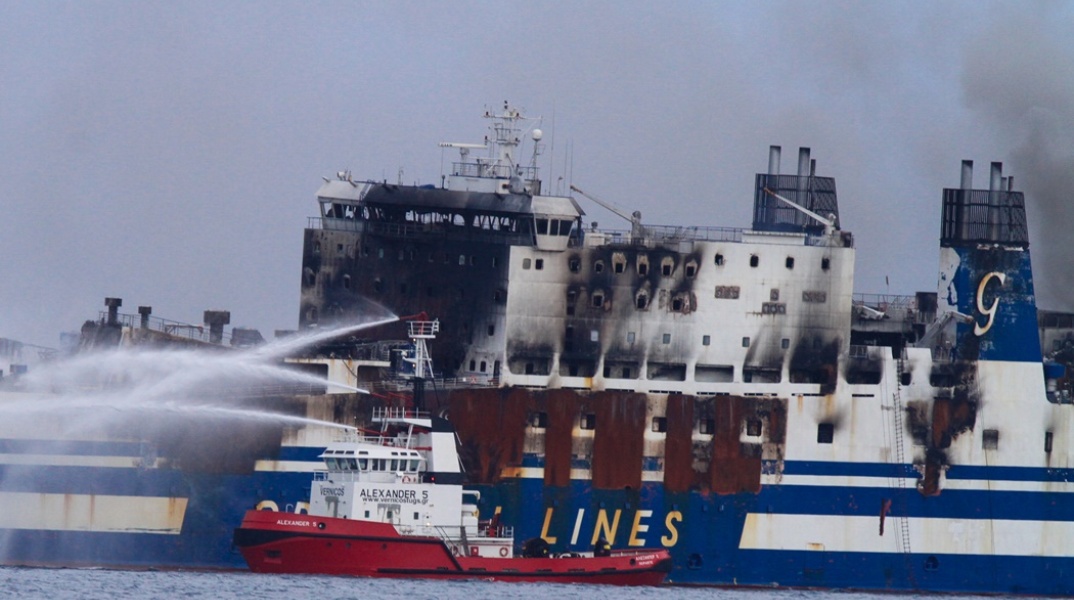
(410, 254)
(666, 268)
(588, 421)
(680, 302)
(373, 464)
(706, 340)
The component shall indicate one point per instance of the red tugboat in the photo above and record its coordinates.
(391, 504)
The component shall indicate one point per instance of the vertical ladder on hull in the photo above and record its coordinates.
(902, 522)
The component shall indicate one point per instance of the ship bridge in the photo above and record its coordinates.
(547, 222)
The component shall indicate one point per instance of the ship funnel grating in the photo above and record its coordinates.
(983, 216)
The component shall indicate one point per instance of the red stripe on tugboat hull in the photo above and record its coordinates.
(273, 542)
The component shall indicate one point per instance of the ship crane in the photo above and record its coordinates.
(830, 226)
(637, 230)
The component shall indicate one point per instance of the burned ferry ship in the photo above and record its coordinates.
(722, 392)
(719, 392)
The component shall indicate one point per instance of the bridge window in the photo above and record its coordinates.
(542, 226)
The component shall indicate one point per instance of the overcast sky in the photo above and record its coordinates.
(168, 153)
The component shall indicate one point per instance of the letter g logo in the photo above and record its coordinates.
(990, 310)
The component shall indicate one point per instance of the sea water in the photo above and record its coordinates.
(103, 584)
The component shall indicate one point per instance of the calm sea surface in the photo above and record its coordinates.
(110, 585)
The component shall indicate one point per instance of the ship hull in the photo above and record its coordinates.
(712, 539)
(273, 543)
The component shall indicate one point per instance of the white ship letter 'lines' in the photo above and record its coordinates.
(92, 512)
(834, 533)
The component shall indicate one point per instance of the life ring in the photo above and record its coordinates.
(503, 552)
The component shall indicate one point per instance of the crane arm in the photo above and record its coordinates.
(634, 219)
(829, 224)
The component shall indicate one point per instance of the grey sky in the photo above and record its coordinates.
(168, 153)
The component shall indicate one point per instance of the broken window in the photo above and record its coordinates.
(598, 267)
(643, 265)
(691, 269)
(588, 421)
(598, 299)
(574, 264)
(719, 260)
(660, 424)
(990, 439)
(753, 427)
(618, 262)
(642, 301)
(667, 266)
(538, 420)
(825, 263)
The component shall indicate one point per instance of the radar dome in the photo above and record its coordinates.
(537, 134)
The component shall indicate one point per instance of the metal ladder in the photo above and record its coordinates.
(902, 493)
